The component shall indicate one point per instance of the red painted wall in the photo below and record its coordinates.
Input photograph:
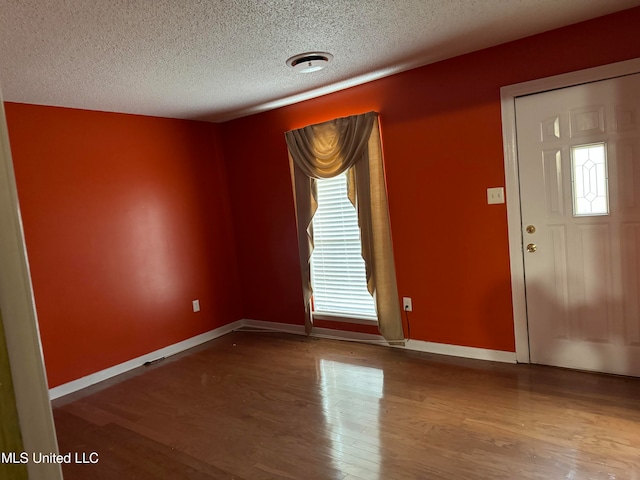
(126, 221)
(441, 132)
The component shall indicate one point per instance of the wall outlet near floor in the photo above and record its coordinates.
(196, 305)
(495, 195)
(407, 304)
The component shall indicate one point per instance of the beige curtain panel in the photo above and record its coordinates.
(324, 151)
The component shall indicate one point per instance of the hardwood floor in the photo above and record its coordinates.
(274, 406)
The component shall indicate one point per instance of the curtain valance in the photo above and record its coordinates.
(328, 149)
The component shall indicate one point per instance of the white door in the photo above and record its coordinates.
(579, 168)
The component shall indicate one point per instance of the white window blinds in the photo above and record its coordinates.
(337, 268)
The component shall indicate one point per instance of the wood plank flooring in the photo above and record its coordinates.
(274, 406)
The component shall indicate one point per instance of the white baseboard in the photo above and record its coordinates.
(275, 326)
(460, 351)
(329, 333)
(84, 382)
(334, 334)
(417, 345)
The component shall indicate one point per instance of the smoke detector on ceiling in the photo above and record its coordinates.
(309, 62)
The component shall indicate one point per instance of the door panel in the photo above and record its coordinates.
(628, 175)
(582, 269)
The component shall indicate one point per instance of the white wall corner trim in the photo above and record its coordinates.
(508, 95)
(84, 382)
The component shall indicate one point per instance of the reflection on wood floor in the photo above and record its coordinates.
(272, 406)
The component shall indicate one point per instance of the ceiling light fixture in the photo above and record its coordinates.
(309, 62)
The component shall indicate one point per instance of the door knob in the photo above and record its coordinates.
(532, 247)
(531, 229)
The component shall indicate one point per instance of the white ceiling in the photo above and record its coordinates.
(220, 59)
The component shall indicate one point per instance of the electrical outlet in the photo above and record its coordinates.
(495, 195)
(407, 304)
(196, 305)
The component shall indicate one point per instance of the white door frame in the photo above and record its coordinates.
(508, 96)
(21, 326)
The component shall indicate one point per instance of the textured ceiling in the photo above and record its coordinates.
(220, 59)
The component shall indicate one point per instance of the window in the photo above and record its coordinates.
(589, 175)
(337, 269)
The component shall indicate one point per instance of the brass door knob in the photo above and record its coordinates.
(532, 247)
(531, 229)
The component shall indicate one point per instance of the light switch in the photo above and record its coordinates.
(495, 195)
(196, 305)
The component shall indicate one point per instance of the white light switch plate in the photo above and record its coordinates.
(196, 305)
(495, 195)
